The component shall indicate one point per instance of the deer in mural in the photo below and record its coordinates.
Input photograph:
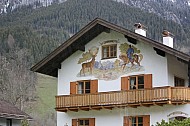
(89, 65)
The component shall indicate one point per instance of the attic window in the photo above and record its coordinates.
(109, 51)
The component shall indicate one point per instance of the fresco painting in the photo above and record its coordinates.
(129, 61)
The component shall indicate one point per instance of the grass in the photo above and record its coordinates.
(46, 90)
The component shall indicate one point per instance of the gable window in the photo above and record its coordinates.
(83, 122)
(84, 87)
(143, 120)
(136, 82)
(109, 51)
(179, 82)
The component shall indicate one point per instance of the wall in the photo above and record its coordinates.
(163, 70)
(115, 117)
(178, 69)
(151, 63)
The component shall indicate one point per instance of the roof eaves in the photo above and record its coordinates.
(65, 44)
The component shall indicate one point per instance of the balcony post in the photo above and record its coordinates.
(169, 94)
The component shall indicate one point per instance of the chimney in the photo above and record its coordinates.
(168, 38)
(140, 29)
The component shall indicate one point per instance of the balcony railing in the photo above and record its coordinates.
(131, 98)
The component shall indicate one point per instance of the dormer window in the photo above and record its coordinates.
(109, 51)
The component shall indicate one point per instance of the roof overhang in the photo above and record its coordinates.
(50, 64)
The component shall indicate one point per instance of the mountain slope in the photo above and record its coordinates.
(69, 17)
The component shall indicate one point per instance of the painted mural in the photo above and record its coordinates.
(129, 61)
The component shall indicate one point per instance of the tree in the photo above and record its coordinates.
(185, 122)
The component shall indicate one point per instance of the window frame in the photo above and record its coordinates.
(109, 51)
(84, 119)
(128, 120)
(179, 80)
(84, 87)
(136, 86)
(137, 120)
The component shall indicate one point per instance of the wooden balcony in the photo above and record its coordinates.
(130, 98)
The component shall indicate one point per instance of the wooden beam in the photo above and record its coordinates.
(131, 40)
(145, 105)
(160, 52)
(73, 109)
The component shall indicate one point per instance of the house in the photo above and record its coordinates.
(110, 76)
(11, 115)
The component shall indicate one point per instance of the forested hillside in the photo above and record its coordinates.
(27, 35)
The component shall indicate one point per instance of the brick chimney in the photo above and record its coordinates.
(140, 29)
(168, 38)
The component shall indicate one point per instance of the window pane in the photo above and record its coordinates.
(179, 82)
(87, 85)
(80, 87)
(141, 86)
(132, 82)
(140, 120)
(140, 124)
(86, 122)
(80, 122)
(133, 120)
(140, 79)
(133, 124)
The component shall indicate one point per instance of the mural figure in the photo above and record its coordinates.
(127, 62)
(130, 56)
(88, 66)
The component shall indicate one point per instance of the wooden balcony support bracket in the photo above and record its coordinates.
(107, 107)
(158, 104)
(96, 107)
(73, 109)
(144, 105)
(85, 108)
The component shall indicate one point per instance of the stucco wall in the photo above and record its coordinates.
(162, 68)
(152, 63)
(115, 117)
(178, 69)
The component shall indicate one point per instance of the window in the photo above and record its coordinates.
(136, 82)
(84, 87)
(83, 122)
(9, 122)
(178, 82)
(143, 120)
(109, 51)
(179, 118)
(137, 121)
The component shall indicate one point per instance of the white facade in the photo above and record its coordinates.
(163, 70)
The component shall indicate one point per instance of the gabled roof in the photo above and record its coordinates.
(50, 64)
(9, 111)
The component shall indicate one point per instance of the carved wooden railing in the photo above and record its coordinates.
(158, 95)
